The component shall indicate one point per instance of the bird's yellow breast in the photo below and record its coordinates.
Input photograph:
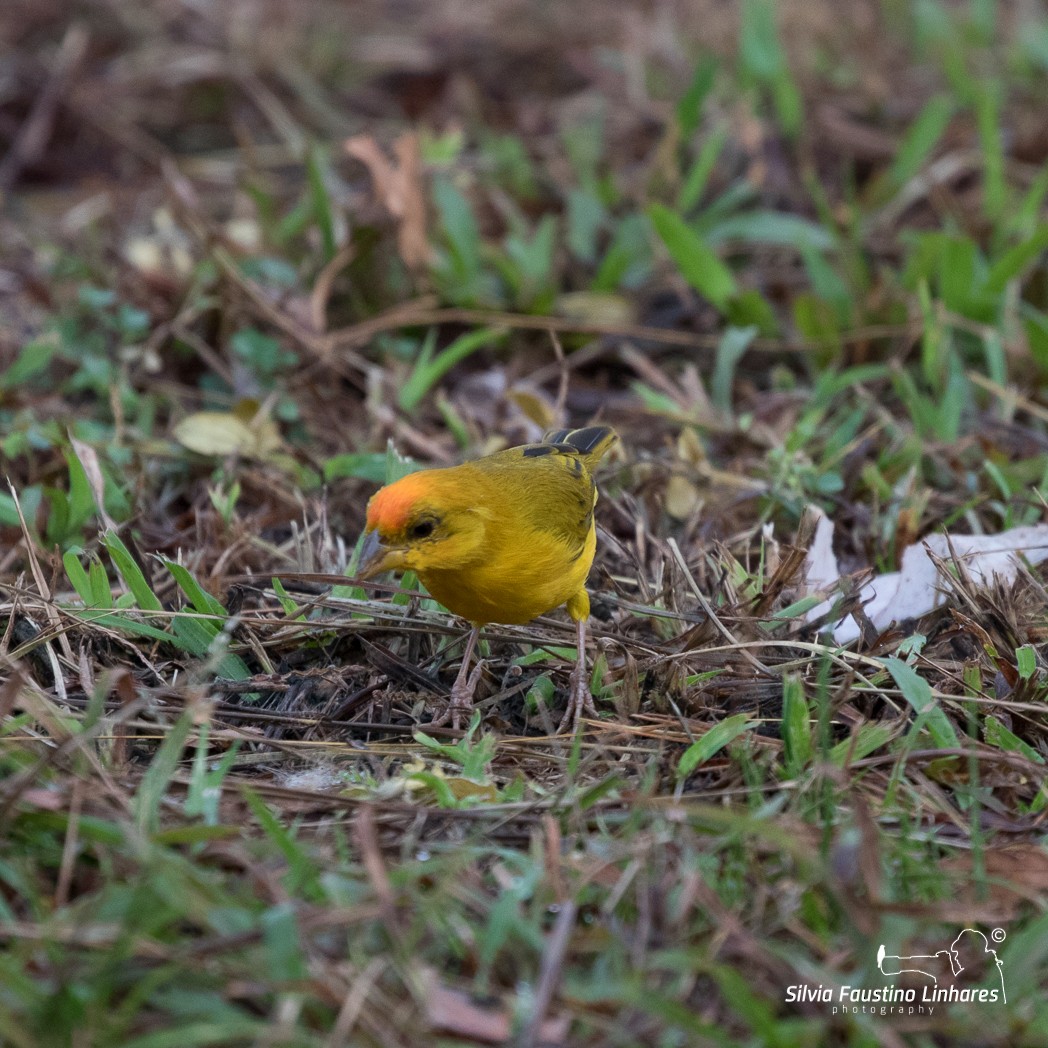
(523, 575)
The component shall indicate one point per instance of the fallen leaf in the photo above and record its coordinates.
(412, 241)
(461, 788)
(398, 186)
(246, 233)
(43, 800)
(224, 433)
(164, 251)
(418, 776)
(596, 307)
(919, 587)
(681, 497)
(455, 1012)
(1013, 874)
(690, 448)
(535, 406)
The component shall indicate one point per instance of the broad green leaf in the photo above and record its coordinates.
(288, 603)
(586, 216)
(203, 638)
(750, 308)
(793, 611)
(204, 1033)
(320, 197)
(460, 227)
(1025, 217)
(101, 590)
(816, 321)
(120, 622)
(772, 227)
(796, 725)
(1035, 326)
(988, 122)
(179, 835)
(628, 260)
(698, 264)
(8, 511)
(225, 433)
(194, 634)
(1026, 660)
(828, 284)
(363, 465)
(996, 734)
(1012, 263)
(282, 943)
(33, 358)
(789, 103)
(759, 45)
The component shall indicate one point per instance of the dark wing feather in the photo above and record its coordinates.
(591, 443)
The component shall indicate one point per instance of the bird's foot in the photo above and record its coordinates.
(460, 705)
(580, 702)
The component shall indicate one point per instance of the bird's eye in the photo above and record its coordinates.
(423, 529)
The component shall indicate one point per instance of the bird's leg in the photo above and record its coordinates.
(580, 701)
(464, 687)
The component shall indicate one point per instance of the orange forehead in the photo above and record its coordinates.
(391, 506)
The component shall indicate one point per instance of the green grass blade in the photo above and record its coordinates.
(918, 693)
(131, 573)
(200, 599)
(796, 725)
(698, 264)
(428, 373)
(153, 787)
(719, 736)
(922, 137)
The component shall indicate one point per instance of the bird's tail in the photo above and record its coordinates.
(591, 443)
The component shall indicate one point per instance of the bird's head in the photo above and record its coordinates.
(426, 520)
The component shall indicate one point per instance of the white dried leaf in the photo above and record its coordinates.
(918, 588)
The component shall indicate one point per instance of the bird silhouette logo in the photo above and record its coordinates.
(969, 952)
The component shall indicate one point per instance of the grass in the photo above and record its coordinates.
(793, 268)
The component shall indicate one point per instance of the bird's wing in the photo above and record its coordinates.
(549, 487)
(591, 443)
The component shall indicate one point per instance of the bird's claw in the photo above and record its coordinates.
(461, 701)
(580, 702)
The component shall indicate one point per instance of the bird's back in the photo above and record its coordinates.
(550, 484)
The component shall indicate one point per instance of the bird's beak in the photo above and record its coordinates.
(375, 557)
